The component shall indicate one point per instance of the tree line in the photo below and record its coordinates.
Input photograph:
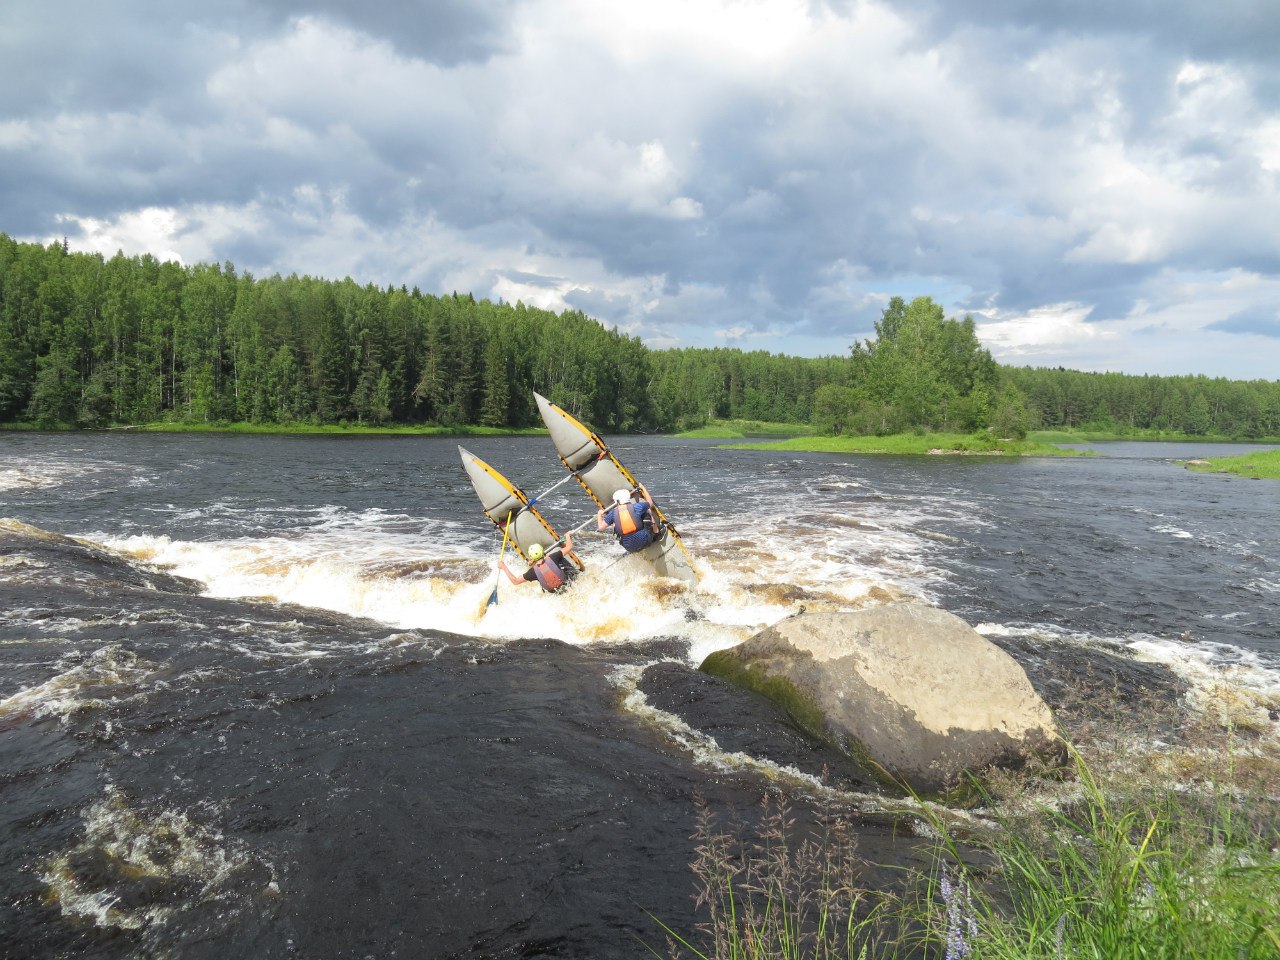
(93, 341)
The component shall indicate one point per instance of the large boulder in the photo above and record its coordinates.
(910, 688)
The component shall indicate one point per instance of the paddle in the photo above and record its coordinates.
(572, 553)
(532, 501)
(493, 597)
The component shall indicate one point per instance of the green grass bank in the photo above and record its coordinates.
(741, 429)
(1098, 434)
(936, 444)
(1263, 465)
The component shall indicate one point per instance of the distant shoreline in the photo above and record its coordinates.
(908, 444)
(1263, 465)
(789, 436)
(332, 430)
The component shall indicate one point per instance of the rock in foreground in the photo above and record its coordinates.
(909, 687)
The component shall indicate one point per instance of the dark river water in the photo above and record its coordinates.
(258, 707)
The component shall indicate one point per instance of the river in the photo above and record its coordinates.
(258, 704)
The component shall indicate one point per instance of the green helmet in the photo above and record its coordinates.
(536, 552)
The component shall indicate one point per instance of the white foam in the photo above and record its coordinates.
(146, 846)
(1213, 672)
(381, 566)
(110, 674)
(42, 472)
(29, 478)
(705, 751)
(768, 554)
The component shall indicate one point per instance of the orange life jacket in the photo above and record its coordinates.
(549, 574)
(626, 520)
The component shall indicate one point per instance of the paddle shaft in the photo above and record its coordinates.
(493, 597)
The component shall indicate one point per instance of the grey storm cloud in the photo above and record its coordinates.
(1228, 29)
(767, 170)
(447, 32)
(1264, 323)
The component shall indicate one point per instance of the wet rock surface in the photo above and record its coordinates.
(911, 688)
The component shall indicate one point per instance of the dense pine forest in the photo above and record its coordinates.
(93, 342)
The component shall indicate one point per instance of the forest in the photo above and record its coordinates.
(90, 341)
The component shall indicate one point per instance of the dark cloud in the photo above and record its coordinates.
(446, 32)
(86, 55)
(1225, 29)
(247, 250)
(1258, 322)
(533, 279)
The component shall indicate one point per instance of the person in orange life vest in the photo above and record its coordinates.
(631, 522)
(551, 568)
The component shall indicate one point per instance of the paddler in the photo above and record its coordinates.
(551, 568)
(632, 521)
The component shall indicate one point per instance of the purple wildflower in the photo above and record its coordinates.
(960, 916)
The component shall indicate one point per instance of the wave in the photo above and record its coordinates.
(44, 472)
(1221, 679)
(139, 866)
(1175, 532)
(381, 566)
(386, 567)
(109, 675)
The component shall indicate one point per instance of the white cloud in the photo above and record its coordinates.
(316, 73)
(1169, 330)
(16, 134)
(1268, 145)
(1041, 330)
(741, 31)
(150, 230)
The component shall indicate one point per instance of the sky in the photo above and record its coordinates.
(1095, 182)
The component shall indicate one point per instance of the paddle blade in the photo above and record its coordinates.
(493, 597)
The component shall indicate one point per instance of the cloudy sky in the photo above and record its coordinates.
(1097, 182)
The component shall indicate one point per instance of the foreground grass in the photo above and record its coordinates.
(1150, 848)
(741, 429)
(1263, 465)
(910, 443)
(1120, 873)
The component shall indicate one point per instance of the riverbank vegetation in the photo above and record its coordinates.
(1263, 465)
(741, 429)
(1147, 434)
(952, 444)
(332, 429)
(1162, 841)
(88, 341)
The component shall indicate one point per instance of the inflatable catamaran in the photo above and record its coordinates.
(599, 472)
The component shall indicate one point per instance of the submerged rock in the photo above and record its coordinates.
(910, 688)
